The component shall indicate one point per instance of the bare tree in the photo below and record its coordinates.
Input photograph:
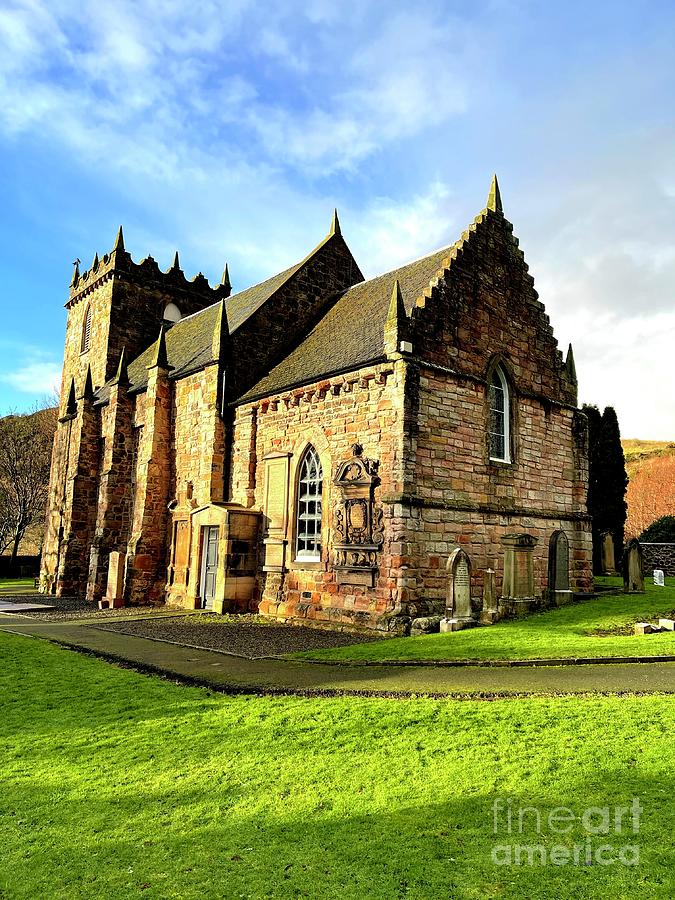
(25, 456)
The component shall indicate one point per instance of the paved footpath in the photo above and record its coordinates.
(234, 673)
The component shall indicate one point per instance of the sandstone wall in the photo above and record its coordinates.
(333, 415)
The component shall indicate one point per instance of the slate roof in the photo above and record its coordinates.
(351, 333)
(348, 336)
(189, 342)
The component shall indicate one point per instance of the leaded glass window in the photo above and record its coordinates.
(308, 524)
(498, 425)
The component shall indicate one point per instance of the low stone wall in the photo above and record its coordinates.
(659, 556)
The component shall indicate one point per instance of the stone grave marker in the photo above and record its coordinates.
(659, 580)
(633, 577)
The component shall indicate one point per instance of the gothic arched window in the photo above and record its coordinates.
(86, 330)
(308, 513)
(172, 313)
(499, 425)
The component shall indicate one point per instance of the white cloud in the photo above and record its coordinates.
(35, 377)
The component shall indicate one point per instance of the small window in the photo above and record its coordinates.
(86, 331)
(310, 489)
(172, 313)
(499, 413)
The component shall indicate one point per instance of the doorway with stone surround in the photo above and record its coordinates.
(209, 565)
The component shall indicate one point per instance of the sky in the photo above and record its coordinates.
(230, 130)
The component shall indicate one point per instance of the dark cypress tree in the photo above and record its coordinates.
(607, 481)
(615, 478)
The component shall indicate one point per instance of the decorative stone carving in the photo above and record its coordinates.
(633, 576)
(458, 612)
(358, 523)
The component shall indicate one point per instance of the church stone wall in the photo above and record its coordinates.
(361, 408)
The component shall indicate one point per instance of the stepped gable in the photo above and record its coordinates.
(353, 333)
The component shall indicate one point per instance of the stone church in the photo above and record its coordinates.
(320, 447)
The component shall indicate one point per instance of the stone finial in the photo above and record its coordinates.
(71, 405)
(119, 241)
(122, 374)
(396, 305)
(94, 264)
(494, 201)
(159, 358)
(396, 316)
(570, 367)
(175, 265)
(76, 273)
(335, 224)
(225, 281)
(221, 333)
(88, 390)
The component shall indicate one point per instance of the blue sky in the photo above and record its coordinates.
(229, 131)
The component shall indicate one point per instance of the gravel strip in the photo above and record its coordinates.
(68, 609)
(246, 637)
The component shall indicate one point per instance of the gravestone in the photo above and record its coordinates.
(633, 577)
(114, 595)
(608, 559)
(458, 613)
(518, 566)
(490, 612)
(559, 568)
(659, 579)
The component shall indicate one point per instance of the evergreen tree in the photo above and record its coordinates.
(662, 531)
(607, 481)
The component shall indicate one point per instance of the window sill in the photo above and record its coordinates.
(311, 564)
(501, 463)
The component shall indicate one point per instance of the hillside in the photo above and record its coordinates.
(651, 488)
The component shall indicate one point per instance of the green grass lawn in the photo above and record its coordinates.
(16, 586)
(115, 784)
(598, 627)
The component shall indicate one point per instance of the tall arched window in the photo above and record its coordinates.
(86, 330)
(499, 429)
(172, 313)
(308, 521)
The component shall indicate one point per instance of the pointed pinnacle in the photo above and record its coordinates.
(494, 201)
(335, 224)
(396, 304)
(88, 392)
(119, 240)
(570, 366)
(122, 376)
(71, 405)
(225, 280)
(76, 273)
(159, 356)
(175, 265)
(94, 264)
(221, 332)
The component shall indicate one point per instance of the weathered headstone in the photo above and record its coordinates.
(644, 628)
(458, 612)
(559, 568)
(659, 579)
(667, 624)
(633, 577)
(114, 596)
(608, 558)
(518, 566)
(490, 612)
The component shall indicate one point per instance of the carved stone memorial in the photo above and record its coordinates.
(518, 566)
(633, 574)
(458, 612)
(559, 568)
(358, 526)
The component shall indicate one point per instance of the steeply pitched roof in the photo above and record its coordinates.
(242, 305)
(351, 334)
